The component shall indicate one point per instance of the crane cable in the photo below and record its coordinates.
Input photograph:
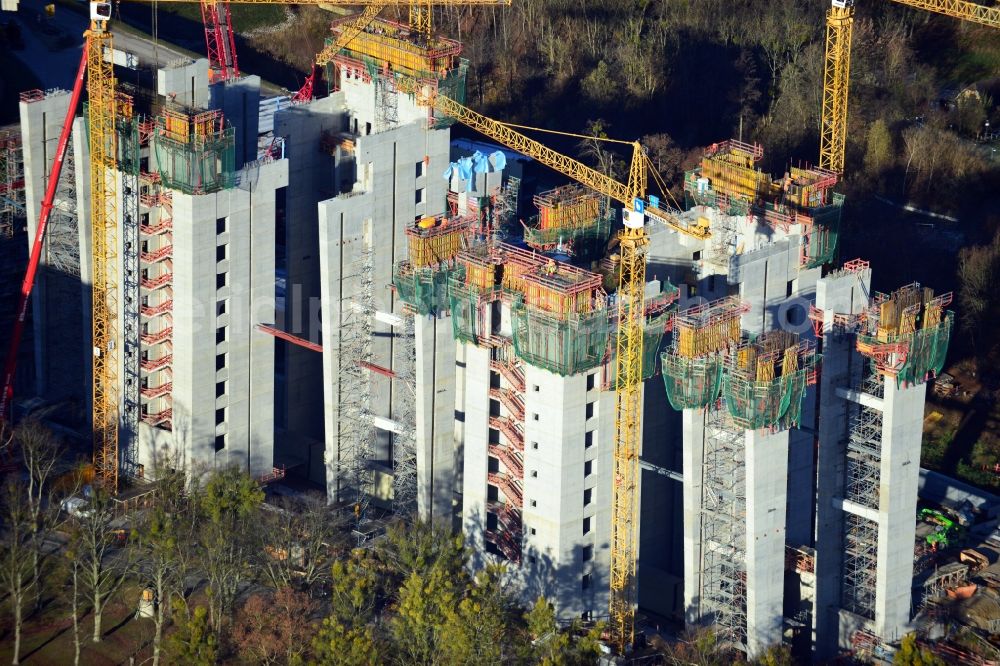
(570, 134)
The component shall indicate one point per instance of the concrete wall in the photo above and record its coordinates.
(435, 408)
(902, 433)
(835, 294)
(311, 178)
(244, 358)
(766, 491)
(239, 101)
(185, 83)
(389, 194)
(61, 296)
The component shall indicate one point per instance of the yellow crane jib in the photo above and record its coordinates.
(626, 194)
(960, 9)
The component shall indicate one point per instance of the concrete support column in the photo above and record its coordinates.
(476, 455)
(692, 458)
(435, 415)
(902, 428)
(766, 492)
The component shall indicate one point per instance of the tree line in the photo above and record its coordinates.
(223, 576)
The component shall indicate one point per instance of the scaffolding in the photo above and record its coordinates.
(821, 237)
(424, 290)
(355, 426)
(905, 334)
(860, 552)
(561, 321)
(394, 44)
(862, 475)
(722, 568)
(194, 152)
(728, 181)
(765, 379)
(571, 219)
(128, 167)
(12, 210)
(404, 450)
(692, 365)
(730, 169)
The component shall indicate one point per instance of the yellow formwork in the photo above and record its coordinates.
(733, 174)
(394, 44)
(551, 300)
(438, 240)
(176, 125)
(716, 336)
(581, 209)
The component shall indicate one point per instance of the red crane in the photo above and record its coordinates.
(10, 366)
(219, 40)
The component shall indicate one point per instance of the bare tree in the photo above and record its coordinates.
(15, 556)
(103, 566)
(162, 545)
(74, 567)
(229, 506)
(300, 538)
(40, 453)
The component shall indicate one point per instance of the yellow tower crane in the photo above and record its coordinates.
(628, 341)
(837, 66)
(102, 111)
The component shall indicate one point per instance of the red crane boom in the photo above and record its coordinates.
(36, 249)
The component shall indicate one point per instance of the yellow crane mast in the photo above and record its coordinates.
(837, 66)
(628, 341)
(104, 244)
(104, 247)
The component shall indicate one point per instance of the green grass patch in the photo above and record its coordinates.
(245, 17)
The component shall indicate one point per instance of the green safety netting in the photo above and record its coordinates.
(927, 349)
(195, 166)
(424, 289)
(766, 404)
(691, 383)
(564, 345)
(452, 86)
(652, 337)
(464, 301)
(693, 196)
(821, 242)
(588, 239)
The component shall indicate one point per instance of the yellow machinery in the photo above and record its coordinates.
(837, 67)
(103, 153)
(628, 342)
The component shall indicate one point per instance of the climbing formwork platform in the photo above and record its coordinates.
(194, 152)
(433, 243)
(906, 333)
(801, 201)
(692, 366)
(570, 219)
(764, 380)
(386, 49)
